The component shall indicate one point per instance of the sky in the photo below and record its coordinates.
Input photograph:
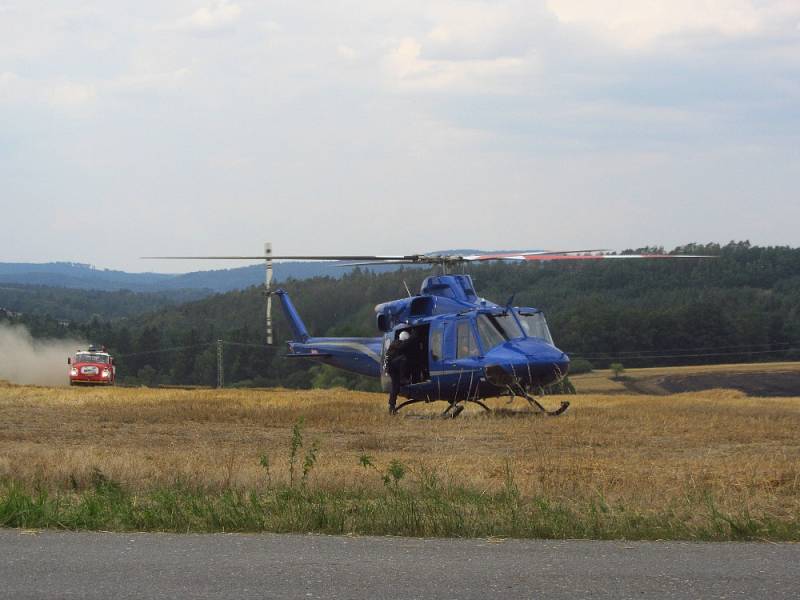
(343, 127)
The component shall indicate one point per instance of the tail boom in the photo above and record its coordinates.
(357, 355)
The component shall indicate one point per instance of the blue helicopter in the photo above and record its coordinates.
(466, 349)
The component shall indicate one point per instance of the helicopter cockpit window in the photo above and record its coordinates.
(490, 336)
(535, 325)
(507, 325)
(496, 329)
(466, 344)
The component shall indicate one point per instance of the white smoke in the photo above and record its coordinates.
(25, 360)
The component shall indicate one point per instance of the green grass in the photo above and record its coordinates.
(393, 500)
(425, 509)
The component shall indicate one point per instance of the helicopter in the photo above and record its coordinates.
(466, 349)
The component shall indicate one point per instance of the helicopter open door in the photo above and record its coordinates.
(417, 356)
(418, 365)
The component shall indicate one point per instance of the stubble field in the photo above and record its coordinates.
(703, 465)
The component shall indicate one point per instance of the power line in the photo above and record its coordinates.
(701, 355)
(201, 345)
(219, 352)
(771, 345)
(262, 346)
(162, 350)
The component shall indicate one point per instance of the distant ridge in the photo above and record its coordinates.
(80, 276)
(88, 277)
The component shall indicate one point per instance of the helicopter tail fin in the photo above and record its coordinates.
(299, 331)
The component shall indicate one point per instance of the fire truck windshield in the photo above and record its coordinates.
(91, 358)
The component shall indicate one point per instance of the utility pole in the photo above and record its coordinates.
(220, 367)
(268, 289)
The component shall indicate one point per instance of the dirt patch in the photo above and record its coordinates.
(783, 384)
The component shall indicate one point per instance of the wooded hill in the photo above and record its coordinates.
(80, 305)
(742, 306)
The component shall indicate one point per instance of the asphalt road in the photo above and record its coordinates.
(110, 565)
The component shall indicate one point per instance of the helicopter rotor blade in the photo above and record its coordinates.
(568, 257)
(378, 259)
(573, 255)
(377, 262)
(442, 259)
(525, 255)
(264, 257)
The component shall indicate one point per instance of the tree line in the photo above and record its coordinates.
(742, 306)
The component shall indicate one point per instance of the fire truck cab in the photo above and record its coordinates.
(94, 366)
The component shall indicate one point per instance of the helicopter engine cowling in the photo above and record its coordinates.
(390, 314)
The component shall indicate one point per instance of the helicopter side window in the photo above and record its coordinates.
(467, 345)
(436, 345)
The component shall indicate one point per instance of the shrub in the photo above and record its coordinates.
(580, 365)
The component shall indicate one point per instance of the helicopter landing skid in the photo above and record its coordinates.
(550, 413)
(456, 408)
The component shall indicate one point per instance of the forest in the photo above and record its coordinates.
(82, 305)
(741, 306)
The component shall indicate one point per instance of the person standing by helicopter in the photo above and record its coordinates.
(397, 365)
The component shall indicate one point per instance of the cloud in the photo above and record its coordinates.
(485, 30)
(343, 109)
(74, 98)
(407, 69)
(214, 17)
(62, 95)
(473, 46)
(346, 52)
(71, 95)
(611, 73)
(143, 81)
(634, 24)
(10, 87)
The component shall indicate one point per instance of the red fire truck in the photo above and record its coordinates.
(94, 366)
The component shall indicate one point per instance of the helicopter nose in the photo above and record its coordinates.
(545, 363)
(528, 361)
(560, 362)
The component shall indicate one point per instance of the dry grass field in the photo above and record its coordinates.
(641, 453)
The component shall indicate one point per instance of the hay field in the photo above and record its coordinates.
(644, 453)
